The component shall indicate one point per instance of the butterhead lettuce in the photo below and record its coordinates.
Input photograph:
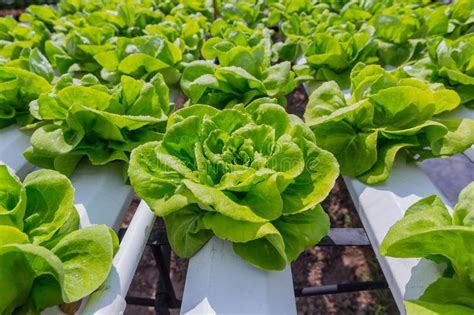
(331, 55)
(86, 119)
(140, 57)
(387, 113)
(450, 62)
(18, 87)
(399, 34)
(246, 76)
(45, 260)
(252, 175)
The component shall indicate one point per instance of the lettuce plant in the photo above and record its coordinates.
(387, 113)
(332, 54)
(14, 37)
(44, 14)
(18, 88)
(298, 27)
(285, 9)
(129, 19)
(359, 12)
(143, 12)
(294, 32)
(186, 7)
(451, 20)
(74, 52)
(140, 57)
(45, 260)
(252, 175)
(185, 31)
(399, 35)
(248, 11)
(428, 230)
(74, 7)
(226, 35)
(450, 62)
(34, 61)
(243, 74)
(122, 38)
(85, 119)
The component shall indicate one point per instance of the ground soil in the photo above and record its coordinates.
(316, 266)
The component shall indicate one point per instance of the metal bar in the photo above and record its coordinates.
(133, 300)
(13, 142)
(335, 237)
(162, 300)
(165, 297)
(165, 294)
(121, 233)
(345, 237)
(341, 288)
(174, 301)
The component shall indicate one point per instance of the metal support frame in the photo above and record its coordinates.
(165, 296)
(343, 237)
(341, 288)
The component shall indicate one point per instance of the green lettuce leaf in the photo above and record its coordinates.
(399, 32)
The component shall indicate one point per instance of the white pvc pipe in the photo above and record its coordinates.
(220, 282)
(110, 298)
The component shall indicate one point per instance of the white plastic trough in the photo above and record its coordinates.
(380, 207)
(220, 282)
(12, 144)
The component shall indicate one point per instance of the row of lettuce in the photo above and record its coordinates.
(68, 67)
(93, 79)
